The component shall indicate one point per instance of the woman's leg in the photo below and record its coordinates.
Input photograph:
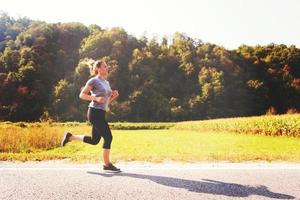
(106, 160)
(106, 149)
(95, 138)
(76, 137)
(93, 116)
(107, 136)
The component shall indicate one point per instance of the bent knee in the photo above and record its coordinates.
(95, 141)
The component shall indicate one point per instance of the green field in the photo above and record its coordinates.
(154, 142)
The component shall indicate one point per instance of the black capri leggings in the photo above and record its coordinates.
(100, 128)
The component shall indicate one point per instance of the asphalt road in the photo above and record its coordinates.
(167, 181)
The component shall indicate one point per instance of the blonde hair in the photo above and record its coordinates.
(94, 66)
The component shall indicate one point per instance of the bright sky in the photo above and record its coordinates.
(229, 23)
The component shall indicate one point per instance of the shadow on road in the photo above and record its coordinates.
(205, 186)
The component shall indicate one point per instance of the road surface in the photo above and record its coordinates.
(166, 181)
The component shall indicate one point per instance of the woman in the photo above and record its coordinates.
(100, 97)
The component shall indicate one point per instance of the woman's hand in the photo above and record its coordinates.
(114, 95)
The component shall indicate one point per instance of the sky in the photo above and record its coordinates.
(229, 23)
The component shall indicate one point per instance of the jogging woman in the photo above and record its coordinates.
(98, 91)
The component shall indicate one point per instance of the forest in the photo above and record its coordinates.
(43, 67)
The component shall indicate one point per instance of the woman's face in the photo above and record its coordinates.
(103, 69)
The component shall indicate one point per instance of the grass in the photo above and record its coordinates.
(268, 138)
(172, 145)
(272, 125)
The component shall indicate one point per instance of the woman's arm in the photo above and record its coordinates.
(84, 94)
(114, 95)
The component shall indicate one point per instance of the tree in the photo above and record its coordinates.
(66, 103)
(211, 82)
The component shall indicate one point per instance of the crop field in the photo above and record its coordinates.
(266, 138)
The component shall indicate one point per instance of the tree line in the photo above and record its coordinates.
(43, 67)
